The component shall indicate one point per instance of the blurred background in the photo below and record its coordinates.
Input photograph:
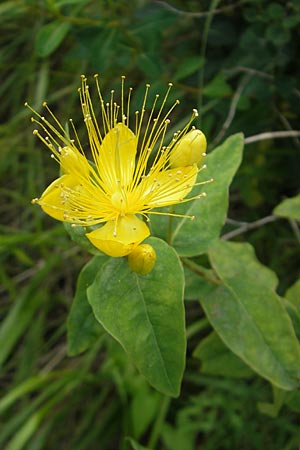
(238, 63)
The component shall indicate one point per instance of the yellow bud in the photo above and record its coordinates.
(142, 259)
(189, 150)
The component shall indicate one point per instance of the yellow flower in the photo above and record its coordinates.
(130, 172)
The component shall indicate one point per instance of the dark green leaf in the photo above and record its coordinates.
(217, 359)
(293, 294)
(249, 316)
(146, 315)
(218, 87)
(289, 208)
(188, 67)
(193, 237)
(135, 445)
(83, 329)
(77, 235)
(143, 408)
(50, 36)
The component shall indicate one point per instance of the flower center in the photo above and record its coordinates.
(117, 200)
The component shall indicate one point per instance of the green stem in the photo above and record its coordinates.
(201, 272)
(156, 430)
(195, 327)
(207, 23)
(170, 226)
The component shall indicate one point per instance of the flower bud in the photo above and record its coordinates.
(142, 259)
(189, 150)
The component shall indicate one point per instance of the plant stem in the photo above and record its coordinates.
(170, 227)
(195, 327)
(207, 24)
(156, 430)
(249, 226)
(200, 271)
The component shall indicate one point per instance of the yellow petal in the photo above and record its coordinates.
(72, 161)
(116, 160)
(119, 240)
(54, 200)
(168, 187)
(189, 150)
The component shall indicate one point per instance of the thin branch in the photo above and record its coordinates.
(250, 71)
(197, 14)
(287, 125)
(203, 46)
(236, 223)
(249, 226)
(200, 271)
(232, 109)
(259, 73)
(295, 229)
(271, 135)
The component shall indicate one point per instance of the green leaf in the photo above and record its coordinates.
(77, 235)
(83, 329)
(188, 67)
(217, 87)
(50, 36)
(144, 408)
(23, 311)
(249, 316)
(217, 359)
(293, 294)
(294, 314)
(146, 315)
(272, 409)
(289, 208)
(193, 237)
(193, 280)
(135, 445)
(293, 400)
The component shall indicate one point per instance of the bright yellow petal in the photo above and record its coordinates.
(116, 160)
(72, 161)
(54, 200)
(80, 202)
(168, 187)
(119, 240)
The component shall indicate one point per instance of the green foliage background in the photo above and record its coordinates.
(238, 63)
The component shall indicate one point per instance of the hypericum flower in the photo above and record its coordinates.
(131, 171)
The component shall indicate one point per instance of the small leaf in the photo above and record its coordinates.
(135, 445)
(272, 409)
(289, 208)
(217, 87)
(293, 400)
(217, 359)
(50, 36)
(188, 67)
(146, 315)
(83, 329)
(249, 316)
(144, 408)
